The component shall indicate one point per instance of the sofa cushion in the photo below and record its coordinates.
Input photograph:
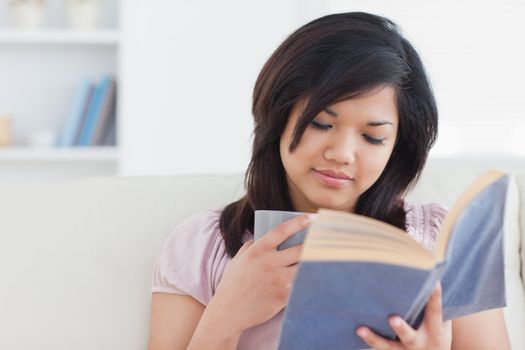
(521, 185)
(76, 258)
(515, 310)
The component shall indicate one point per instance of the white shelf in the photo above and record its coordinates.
(73, 154)
(59, 36)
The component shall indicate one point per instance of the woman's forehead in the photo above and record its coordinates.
(376, 105)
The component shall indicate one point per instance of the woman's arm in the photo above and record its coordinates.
(482, 330)
(181, 322)
(215, 331)
(254, 287)
(174, 318)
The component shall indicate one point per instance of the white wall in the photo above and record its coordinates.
(188, 70)
(474, 52)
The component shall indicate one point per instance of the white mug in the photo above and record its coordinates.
(265, 220)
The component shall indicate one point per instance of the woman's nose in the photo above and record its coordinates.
(341, 149)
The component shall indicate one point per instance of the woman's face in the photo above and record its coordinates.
(353, 139)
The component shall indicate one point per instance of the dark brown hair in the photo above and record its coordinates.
(330, 59)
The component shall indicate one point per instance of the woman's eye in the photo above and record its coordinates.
(319, 126)
(373, 140)
(325, 127)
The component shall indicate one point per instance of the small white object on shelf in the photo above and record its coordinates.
(27, 13)
(42, 138)
(82, 14)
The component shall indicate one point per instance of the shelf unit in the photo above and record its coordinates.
(43, 68)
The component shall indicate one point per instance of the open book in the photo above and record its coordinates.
(355, 270)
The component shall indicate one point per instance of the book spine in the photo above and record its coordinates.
(110, 135)
(74, 120)
(93, 112)
(106, 115)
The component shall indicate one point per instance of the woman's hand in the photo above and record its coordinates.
(256, 283)
(433, 334)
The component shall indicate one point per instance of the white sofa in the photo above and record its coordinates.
(76, 257)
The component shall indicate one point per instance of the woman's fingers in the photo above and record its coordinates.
(408, 335)
(288, 256)
(431, 332)
(282, 232)
(375, 341)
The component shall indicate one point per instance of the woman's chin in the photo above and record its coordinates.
(333, 204)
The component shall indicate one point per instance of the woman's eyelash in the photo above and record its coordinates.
(323, 127)
(374, 141)
(320, 126)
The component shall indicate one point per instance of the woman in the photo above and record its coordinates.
(344, 119)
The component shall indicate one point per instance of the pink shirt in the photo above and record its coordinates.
(194, 257)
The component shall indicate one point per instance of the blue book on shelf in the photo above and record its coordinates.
(94, 112)
(76, 114)
(106, 117)
(356, 270)
(110, 137)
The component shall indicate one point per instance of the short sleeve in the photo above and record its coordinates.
(192, 259)
(424, 221)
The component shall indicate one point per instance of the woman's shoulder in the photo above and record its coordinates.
(193, 257)
(195, 229)
(423, 221)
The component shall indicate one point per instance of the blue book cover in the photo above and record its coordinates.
(94, 112)
(110, 134)
(355, 270)
(107, 115)
(76, 114)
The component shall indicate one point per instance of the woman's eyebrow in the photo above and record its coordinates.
(329, 111)
(376, 123)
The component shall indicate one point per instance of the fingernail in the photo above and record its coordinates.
(362, 332)
(312, 216)
(395, 321)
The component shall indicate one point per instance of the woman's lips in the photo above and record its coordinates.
(329, 180)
